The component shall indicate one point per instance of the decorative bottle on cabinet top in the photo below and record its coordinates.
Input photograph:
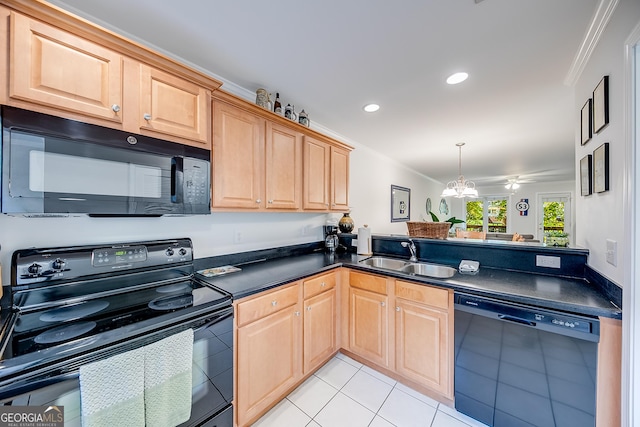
(346, 223)
(277, 106)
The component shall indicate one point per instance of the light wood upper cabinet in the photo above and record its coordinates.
(326, 176)
(317, 158)
(283, 167)
(238, 144)
(173, 106)
(57, 64)
(58, 69)
(339, 179)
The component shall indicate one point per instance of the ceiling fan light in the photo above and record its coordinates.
(515, 185)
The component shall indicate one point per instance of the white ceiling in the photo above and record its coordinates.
(332, 57)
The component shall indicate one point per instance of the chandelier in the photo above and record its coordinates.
(461, 187)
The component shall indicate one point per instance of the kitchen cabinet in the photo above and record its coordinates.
(326, 176)
(257, 164)
(238, 144)
(268, 350)
(320, 320)
(70, 68)
(369, 318)
(424, 335)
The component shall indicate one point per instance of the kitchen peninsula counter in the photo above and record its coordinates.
(574, 295)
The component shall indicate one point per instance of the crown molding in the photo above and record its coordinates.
(599, 22)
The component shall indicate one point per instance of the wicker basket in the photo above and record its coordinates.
(430, 230)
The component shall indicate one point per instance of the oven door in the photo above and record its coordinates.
(212, 380)
(58, 166)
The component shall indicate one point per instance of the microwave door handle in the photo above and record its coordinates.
(177, 179)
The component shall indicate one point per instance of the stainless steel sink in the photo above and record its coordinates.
(431, 270)
(386, 263)
(417, 268)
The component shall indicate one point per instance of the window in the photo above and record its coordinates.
(488, 214)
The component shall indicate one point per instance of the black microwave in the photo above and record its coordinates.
(56, 166)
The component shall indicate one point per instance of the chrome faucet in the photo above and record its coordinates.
(412, 249)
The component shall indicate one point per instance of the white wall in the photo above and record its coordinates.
(599, 216)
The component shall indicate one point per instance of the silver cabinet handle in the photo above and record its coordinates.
(297, 313)
(397, 308)
(258, 200)
(115, 108)
(322, 285)
(309, 308)
(274, 303)
(270, 201)
(147, 116)
(383, 303)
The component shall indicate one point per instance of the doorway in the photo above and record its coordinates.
(554, 216)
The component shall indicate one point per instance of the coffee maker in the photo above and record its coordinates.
(331, 237)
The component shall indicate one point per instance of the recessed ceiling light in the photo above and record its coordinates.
(456, 78)
(370, 108)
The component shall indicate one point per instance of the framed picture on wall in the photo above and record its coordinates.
(585, 175)
(585, 122)
(601, 168)
(601, 105)
(400, 203)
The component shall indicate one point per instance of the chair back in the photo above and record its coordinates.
(465, 234)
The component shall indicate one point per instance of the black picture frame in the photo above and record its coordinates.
(400, 204)
(601, 168)
(585, 175)
(601, 105)
(586, 122)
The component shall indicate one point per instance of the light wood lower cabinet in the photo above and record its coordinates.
(424, 332)
(279, 340)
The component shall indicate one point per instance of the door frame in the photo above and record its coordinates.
(571, 215)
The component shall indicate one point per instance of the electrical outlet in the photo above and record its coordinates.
(354, 242)
(612, 252)
(547, 261)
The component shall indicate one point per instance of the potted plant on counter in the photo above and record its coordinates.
(556, 238)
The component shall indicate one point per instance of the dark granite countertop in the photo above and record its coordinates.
(564, 294)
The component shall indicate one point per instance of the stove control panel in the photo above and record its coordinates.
(37, 266)
(119, 255)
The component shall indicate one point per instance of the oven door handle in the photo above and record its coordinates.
(28, 385)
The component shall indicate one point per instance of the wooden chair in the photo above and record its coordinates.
(470, 234)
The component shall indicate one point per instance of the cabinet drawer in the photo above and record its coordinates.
(318, 284)
(425, 294)
(368, 282)
(265, 305)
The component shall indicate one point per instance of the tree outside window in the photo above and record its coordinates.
(475, 215)
(496, 214)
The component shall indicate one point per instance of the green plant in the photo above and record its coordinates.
(453, 220)
(555, 233)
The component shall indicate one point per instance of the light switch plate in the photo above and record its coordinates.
(354, 242)
(612, 252)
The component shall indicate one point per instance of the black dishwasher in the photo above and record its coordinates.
(519, 365)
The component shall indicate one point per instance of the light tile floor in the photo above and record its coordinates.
(346, 393)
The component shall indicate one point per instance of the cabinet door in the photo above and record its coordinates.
(316, 174)
(173, 106)
(369, 325)
(57, 69)
(269, 361)
(339, 179)
(319, 329)
(423, 345)
(238, 139)
(283, 167)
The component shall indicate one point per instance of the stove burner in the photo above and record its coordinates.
(171, 302)
(64, 332)
(74, 312)
(176, 287)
